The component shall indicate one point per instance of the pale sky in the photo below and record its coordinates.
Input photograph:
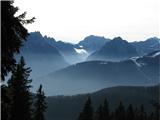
(72, 20)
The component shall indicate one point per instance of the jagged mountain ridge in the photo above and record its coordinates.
(115, 50)
(41, 56)
(45, 54)
(93, 43)
(147, 46)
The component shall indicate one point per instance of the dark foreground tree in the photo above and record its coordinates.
(19, 92)
(130, 115)
(12, 36)
(156, 105)
(105, 110)
(143, 114)
(120, 112)
(40, 105)
(87, 113)
(99, 113)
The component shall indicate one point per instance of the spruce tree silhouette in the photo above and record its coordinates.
(19, 92)
(120, 112)
(87, 113)
(143, 114)
(13, 35)
(105, 109)
(5, 101)
(99, 113)
(130, 115)
(39, 105)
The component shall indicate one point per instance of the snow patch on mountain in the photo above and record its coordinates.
(103, 63)
(134, 59)
(81, 46)
(81, 51)
(138, 64)
(156, 54)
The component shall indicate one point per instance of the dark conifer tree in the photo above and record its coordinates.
(156, 105)
(40, 105)
(105, 110)
(130, 115)
(99, 113)
(87, 113)
(120, 112)
(151, 116)
(112, 116)
(142, 115)
(5, 101)
(137, 114)
(19, 91)
(13, 35)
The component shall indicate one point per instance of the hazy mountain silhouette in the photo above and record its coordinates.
(66, 49)
(41, 56)
(147, 46)
(115, 50)
(101, 48)
(45, 55)
(93, 43)
(100, 74)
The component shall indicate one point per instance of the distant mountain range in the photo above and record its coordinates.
(148, 46)
(94, 64)
(93, 61)
(69, 107)
(95, 48)
(100, 74)
(115, 50)
(91, 65)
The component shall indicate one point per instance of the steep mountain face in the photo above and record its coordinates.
(69, 107)
(41, 56)
(115, 50)
(72, 53)
(100, 74)
(148, 46)
(67, 50)
(93, 43)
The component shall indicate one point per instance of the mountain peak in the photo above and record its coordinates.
(93, 43)
(114, 50)
(94, 36)
(36, 33)
(119, 41)
(153, 40)
(117, 38)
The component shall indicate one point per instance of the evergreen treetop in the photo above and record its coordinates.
(40, 105)
(19, 93)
